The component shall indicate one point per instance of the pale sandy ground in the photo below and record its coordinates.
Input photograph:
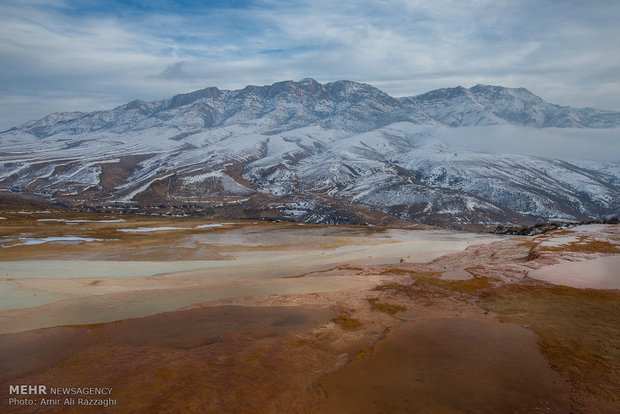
(581, 269)
(397, 321)
(42, 293)
(598, 273)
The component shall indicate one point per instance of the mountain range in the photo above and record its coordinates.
(341, 152)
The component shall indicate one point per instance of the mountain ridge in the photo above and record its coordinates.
(340, 152)
(420, 108)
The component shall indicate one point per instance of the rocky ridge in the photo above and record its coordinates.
(340, 152)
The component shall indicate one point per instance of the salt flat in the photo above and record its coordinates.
(263, 259)
(598, 273)
(309, 318)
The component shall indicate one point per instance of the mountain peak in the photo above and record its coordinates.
(309, 81)
(188, 98)
(351, 85)
(443, 94)
(138, 104)
(490, 90)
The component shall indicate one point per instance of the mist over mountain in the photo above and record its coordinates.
(340, 152)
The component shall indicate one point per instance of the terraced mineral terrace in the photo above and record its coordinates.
(190, 315)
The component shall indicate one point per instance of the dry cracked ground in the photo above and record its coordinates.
(317, 320)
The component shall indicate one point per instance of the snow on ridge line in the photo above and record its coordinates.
(201, 177)
(143, 188)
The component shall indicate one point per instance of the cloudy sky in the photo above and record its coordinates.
(65, 55)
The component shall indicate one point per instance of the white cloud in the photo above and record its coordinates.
(563, 51)
(557, 143)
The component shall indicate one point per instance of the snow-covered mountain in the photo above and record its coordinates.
(341, 152)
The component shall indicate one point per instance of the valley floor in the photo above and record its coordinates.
(191, 315)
